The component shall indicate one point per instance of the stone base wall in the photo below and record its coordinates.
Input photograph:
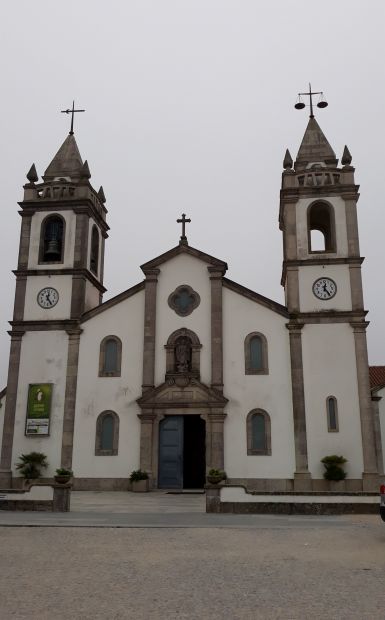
(286, 485)
(294, 508)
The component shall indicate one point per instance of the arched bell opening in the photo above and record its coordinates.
(52, 237)
(321, 228)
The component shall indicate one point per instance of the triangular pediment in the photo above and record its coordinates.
(184, 248)
(182, 392)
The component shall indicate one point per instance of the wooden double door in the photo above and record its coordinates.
(182, 452)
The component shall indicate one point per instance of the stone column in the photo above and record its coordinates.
(377, 429)
(61, 497)
(301, 475)
(216, 275)
(10, 410)
(147, 419)
(149, 329)
(70, 397)
(370, 474)
(216, 419)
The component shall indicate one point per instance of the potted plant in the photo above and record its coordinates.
(31, 464)
(215, 476)
(139, 481)
(334, 470)
(63, 475)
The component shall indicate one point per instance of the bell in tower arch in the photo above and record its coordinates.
(53, 239)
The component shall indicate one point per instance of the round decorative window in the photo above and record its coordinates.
(184, 300)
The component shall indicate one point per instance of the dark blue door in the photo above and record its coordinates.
(171, 453)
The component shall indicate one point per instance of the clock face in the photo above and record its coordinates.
(48, 297)
(324, 288)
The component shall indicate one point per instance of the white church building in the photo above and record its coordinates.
(188, 370)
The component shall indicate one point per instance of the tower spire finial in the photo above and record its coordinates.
(72, 112)
(321, 104)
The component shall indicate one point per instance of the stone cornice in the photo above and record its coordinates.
(80, 205)
(183, 248)
(85, 273)
(260, 299)
(113, 301)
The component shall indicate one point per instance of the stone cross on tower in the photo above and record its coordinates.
(72, 112)
(183, 220)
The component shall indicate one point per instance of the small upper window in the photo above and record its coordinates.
(184, 300)
(110, 357)
(332, 414)
(94, 259)
(52, 240)
(256, 362)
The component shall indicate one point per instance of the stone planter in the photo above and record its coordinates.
(62, 479)
(140, 486)
(214, 479)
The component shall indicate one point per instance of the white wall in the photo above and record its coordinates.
(96, 394)
(183, 269)
(43, 360)
(271, 392)
(70, 220)
(329, 363)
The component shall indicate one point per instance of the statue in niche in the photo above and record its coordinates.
(183, 354)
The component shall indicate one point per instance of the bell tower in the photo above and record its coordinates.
(59, 277)
(321, 275)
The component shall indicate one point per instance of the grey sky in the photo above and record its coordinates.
(190, 108)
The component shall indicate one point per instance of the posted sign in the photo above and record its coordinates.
(38, 409)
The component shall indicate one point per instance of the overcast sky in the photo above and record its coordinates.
(190, 109)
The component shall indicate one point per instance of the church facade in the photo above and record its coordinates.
(188, 370)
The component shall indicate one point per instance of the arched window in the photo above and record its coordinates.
(110, 357)
(52, 240)
(94, 258)
(321, 228)
(258, 432)
(256, 358)
(332, 414)
(107, 434)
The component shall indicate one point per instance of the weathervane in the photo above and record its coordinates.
(300, 105)
(183, 221)
(72, 112)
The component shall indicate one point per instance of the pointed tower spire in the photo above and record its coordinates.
(85, 171)
(346, 159)
(101, 195)
(66, 163)
(32, 174)
(315, 147)
(288, 160)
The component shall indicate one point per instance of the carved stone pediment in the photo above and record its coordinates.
(182, 392)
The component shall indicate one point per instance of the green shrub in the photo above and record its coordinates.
(62, 471)
(137, 475)
(31, 464)
(334, 467)
(217, 473)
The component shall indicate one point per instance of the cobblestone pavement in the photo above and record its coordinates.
(276, 568)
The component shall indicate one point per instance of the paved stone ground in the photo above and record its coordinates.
(263, 567)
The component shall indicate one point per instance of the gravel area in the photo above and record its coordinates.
(332, 572)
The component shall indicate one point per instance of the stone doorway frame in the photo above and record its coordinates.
(163, 401)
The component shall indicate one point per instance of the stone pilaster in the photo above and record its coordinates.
(149, 329)
(147, 419)
(25, 238)
(217, 449)
(301, 476)
(216, 276)
(366, 410)
(10, 410)
(377, 429)
(70, 397)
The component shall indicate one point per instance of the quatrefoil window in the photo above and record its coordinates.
(184, 300)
